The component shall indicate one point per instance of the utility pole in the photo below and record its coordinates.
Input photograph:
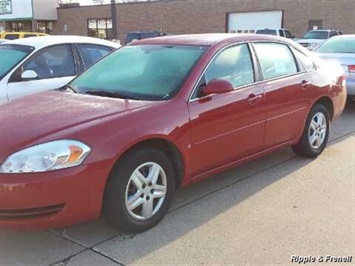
(114, 20)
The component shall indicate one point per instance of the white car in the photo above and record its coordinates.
(276, 32)
(37, 64)
(314, 38)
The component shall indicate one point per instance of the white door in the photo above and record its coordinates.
(54, 67)
(248, 22)
(24, 88)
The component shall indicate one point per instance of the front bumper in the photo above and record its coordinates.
(52, 199)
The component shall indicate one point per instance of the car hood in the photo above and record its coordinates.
(28, 119)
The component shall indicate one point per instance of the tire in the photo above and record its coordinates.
(315, 134)
(135, 203)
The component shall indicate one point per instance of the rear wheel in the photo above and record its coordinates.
(139, 190)
(315, 134)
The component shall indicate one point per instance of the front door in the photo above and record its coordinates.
(54, 67)
(227, 126)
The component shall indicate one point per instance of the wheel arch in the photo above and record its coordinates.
(169, 148)
(328, 104)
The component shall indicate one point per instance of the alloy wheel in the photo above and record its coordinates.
(317, 130)
(145, 191)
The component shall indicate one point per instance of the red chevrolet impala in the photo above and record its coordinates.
(155, 116)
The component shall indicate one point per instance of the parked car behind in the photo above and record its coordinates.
(139, 35)
(276, 32)
(314, 38)
(37, 64)
(154, 116)
(10, 35)
(342, 50)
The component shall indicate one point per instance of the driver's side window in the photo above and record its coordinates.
(233, 64)
(52, 62)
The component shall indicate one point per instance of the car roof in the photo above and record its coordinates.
(205, 39)
(43, 41)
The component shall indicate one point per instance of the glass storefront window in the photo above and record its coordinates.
(45, 27)
(17, 26)
(100, 28)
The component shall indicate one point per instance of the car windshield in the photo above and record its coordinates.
(338, 45)
(316, 35)
(144, 72)
(267, 31)
(11, 55)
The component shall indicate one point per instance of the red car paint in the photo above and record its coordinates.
(212, 134)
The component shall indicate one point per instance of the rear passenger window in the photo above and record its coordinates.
(12, 36)
(92, 53)
(288, 34)
(276, 60)
(304, 61)
(233, 64)
(333, 33)
(29, 35)
(281, 33)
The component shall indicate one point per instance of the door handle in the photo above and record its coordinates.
(305, 84)
(253, 99)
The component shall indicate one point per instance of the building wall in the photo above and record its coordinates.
(200, 16)
(45, 10)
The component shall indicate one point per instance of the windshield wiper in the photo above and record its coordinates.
(114, 94)
(68, 87)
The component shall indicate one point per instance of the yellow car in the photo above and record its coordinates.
(18, 35)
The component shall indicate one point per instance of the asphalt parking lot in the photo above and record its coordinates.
(260, 213)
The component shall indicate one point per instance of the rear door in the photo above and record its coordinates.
(54, 66)
(287, 92)
(228, 126)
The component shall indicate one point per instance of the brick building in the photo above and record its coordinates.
(200, 16)
(28, 15)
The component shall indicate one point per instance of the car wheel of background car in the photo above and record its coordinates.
(139, 190)
(315, 134)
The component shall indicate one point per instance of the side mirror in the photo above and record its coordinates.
(217, 86)
(29, 75)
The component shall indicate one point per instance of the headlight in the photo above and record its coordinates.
(46, 157)
(313, 45)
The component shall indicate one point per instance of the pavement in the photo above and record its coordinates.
(263, 212)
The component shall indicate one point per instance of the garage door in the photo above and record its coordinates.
(248, 22)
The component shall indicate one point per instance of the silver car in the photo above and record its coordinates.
(341, 49)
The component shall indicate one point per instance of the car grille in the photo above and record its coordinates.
(30, 213)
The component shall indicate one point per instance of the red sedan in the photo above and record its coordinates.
(155, 116)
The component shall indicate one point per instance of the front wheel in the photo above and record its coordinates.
(315, 134)
(139, 190)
